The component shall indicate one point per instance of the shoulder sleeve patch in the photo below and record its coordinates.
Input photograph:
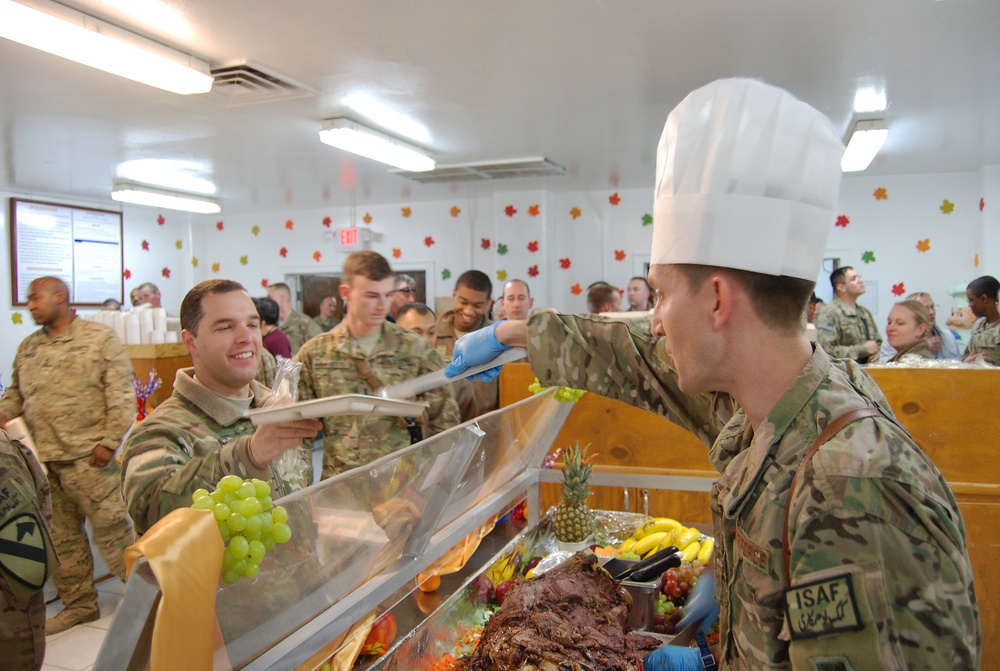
(831, 664)
(822, 607)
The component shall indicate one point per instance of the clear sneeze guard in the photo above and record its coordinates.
(357, 538)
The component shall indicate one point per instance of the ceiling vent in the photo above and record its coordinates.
(486, 170)
(251, 83)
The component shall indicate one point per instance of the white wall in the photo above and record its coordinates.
(890, 228)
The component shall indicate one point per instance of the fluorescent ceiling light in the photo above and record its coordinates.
(141, 194)
(357, 138)
(867, 137)
(172, 174)
(369, 107)
(869, 99)
(71, 34)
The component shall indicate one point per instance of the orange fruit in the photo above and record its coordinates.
(428, 583)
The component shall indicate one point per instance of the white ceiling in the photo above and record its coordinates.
(585, 83)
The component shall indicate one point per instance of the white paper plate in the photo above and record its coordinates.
(332, 406)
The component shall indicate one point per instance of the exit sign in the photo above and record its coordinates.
(350, 238)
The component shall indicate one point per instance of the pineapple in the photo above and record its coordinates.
(573, 521)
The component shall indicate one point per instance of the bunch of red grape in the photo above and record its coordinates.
(675, 585)
(247, 522)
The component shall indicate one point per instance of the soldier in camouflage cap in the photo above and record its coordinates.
(72, 383)
(199, 434)
(361, 354)
(296, 326)
(877, 573)
(27, 557)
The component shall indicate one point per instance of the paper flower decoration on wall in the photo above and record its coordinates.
(501, 249)
(179, 244)
(429, 241)
(455, 210)
(533, 271)
(977, 260)
(327, 221)
(924, 245)
(575, 213)
(647, 220)
(534, 210)
(510, 210)
(289, 224)
(564, 264)
(263, 283)
(502, 275)
(145, 245)
(881, 193)
(15, 318)
(165, 272)
(868, 256)
(533, 246)
(243, 260)
(255, 230)
(947, 206)
(396, 252)
(445, 274)
(619, 255)
(614, 198)
(367, 218)
(406, 212)
(898, 289)
(215, 267)
(283, 252)
(317, 256)
(160, 220)
(484, 243)
(127, 274)
(194, 261)
(982, 204)
(576, 289)
(219, 226)
(842, 221)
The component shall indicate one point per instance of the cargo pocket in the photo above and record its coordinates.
(839, 619)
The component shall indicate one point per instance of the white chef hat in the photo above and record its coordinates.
(747, 177)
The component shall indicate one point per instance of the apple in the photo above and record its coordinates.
(501, 591)
(482, 589)
(381, 636)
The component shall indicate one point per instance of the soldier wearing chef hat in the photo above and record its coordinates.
(839, 545)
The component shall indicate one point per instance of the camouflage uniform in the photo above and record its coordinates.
(486, 395)
(266, 369)
(985, 340)
(27, 557)
(190, 441)
(330, 368)
(325, 325)
(75, 392)
(872, 519)
(843, 331)
(299, 329)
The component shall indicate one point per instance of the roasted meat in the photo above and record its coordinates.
(571, 618)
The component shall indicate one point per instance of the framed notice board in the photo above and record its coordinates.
(80, 245)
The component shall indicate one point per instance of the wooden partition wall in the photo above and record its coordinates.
(951, 414)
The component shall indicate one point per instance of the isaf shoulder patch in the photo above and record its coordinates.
(822, 607)
(830, 664)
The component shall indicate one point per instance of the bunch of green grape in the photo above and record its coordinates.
(249, 525)
(563, 394)
(629, 555)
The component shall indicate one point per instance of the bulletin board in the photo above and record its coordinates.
(80, 245)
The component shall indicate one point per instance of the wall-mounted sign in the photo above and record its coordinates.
(353, 239)
(80, 245)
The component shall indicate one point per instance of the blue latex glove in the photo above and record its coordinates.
(475, 349)
(673, 658)
(701, 605)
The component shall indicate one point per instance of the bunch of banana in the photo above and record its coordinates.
(662, 532)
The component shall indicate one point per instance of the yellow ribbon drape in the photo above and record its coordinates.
(184, 551)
